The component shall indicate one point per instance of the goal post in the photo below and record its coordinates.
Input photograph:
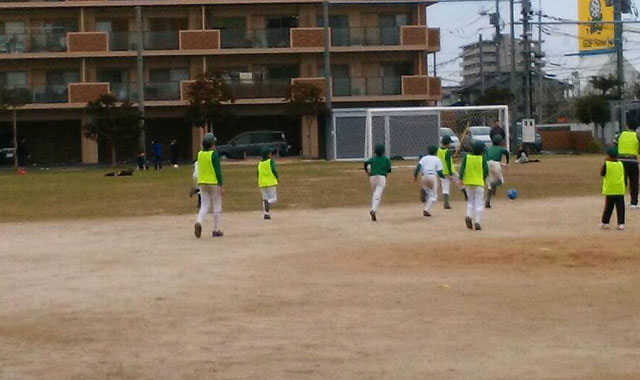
(407, 132)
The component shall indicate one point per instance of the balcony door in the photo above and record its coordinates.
(118, 31)
(339, 25)
(390, 28)
(392, 77)
(165, 83)
(119, 83)
(278, 30)
(233, 31)
(56, 89)
(12, 37)
(163, 33)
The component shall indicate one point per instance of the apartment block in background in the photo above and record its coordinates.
(65, 53)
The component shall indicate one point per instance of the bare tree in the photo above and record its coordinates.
(207, 96)
(305, 101)
(113, 121)
(13, 99)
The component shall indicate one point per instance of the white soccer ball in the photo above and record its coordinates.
(175, 166)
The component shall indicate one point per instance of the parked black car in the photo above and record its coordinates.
(6, 156)
(251, 144)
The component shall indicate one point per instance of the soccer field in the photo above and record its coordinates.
(319, 292)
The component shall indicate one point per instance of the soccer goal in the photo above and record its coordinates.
(407, 132)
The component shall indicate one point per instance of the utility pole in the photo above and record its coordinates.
(139, 47)
(512, 74)
(617, 31)
(495, 20)
(526, 52)
(481, 52)
(327, 71)
(541, 98)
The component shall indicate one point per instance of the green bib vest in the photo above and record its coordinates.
(442, 155)
(473, 172)
(613, 181)
(628, 143)
(265, 174)
(206, 173)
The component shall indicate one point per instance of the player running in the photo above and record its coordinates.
(380, 167)
(473, 171)
(431, 168)
(613, 188)
(445, 154)
(267, 181)
(494, 158)
(208, 175)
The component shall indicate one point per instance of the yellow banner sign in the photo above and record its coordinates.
(594, 37)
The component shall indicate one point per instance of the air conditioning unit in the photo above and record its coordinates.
(246, 76)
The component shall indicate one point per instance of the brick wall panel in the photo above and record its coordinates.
(414, 35)
(415, 85)
(87, 41)
(199, 39)
(86, 92)
(307, 37)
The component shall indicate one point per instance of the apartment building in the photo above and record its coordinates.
(66, 53)
(495, 58)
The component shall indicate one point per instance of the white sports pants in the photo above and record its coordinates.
(210, 194)
(429, 183)
(475, 202)
(446, 183)
(269, 194)
(378, 183)
(495, 173)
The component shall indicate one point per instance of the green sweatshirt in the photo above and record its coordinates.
(273, 168)
(495, 153)
(380, 165)
(215, 160)
(485, 168)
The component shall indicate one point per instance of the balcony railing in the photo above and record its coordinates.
(33, 42)
(365, 36)
(162, 91)
(255, 38)
(164, 40)
(367, 86)
(259, 89)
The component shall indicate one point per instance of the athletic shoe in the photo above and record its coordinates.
(487, 204)
(478, 228)
(604, 226)
(634, 207)
(197, 230)
(447, 206)
(621, 227)
(373, 216)
(217, 234)
(267, 217)
(467, 220)
(423, 195)
(426, 213)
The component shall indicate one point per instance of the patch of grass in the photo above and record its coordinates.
(86, 193)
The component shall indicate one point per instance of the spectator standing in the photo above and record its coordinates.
(497, 130)
(157, 155)
(173, 150)
(22, 153)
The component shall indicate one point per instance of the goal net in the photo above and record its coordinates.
(407, 132)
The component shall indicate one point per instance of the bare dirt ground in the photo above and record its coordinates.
(540, 293)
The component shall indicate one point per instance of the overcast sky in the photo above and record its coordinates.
(461, 23)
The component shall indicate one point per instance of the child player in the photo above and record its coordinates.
(431, 168)
(267, 181)
(473, 171)
(380, 167)
(446, 156)
(613, 188)
(208, 175)
(494, 158)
